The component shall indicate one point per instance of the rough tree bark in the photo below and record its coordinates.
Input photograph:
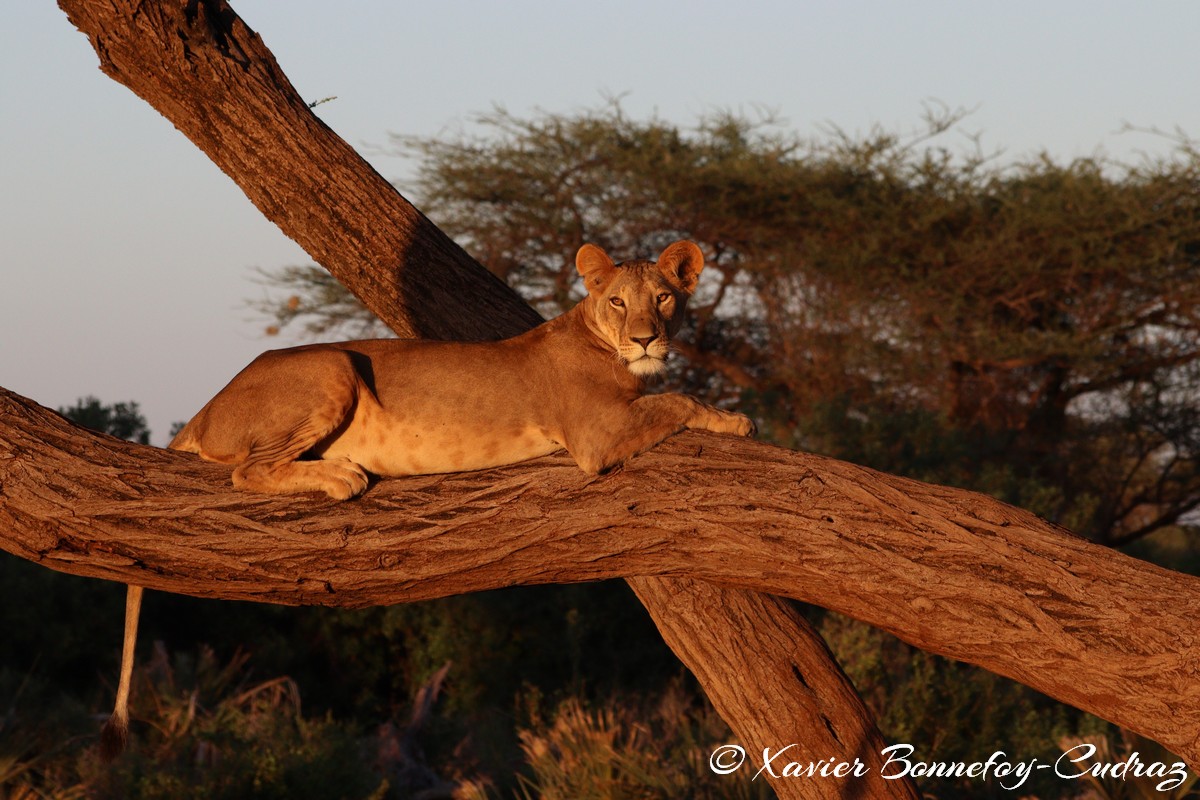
(950, 571)
(214, 79)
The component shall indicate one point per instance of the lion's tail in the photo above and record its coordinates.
(115, 734)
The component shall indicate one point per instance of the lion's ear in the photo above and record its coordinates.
(595, 266)
(681, 263)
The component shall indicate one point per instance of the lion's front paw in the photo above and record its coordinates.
(744, 426)
(732, 422)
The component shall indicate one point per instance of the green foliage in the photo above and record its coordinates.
(203, 729)
(199, 716)
(951, 711)
(202, 732)
(122, 420)
(359, 666)
(319, 304)
(630, 750)
(591, 640)
(37, 753)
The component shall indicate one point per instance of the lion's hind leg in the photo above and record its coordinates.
(274, 412)
(340, 478)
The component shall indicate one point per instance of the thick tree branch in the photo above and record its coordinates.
(950, 571)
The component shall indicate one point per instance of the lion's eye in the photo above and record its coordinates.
(664, 297)
(617, 302)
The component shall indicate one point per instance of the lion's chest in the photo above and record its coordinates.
(418, 441)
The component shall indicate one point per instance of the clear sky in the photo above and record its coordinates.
(128, 258)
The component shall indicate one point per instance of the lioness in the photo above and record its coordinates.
(410, 407)
(407, 407)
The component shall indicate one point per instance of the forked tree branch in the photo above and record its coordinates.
(950, 571)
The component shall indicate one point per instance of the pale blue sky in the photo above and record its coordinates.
(127, 257)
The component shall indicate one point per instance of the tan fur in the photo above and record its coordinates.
(404, 407)
(115, 733)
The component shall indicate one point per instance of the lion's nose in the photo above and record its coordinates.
(645, 341)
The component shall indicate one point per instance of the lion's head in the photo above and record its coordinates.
(637, 306)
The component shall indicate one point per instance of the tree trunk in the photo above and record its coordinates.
(216, 81)
(827, 709)
(950, 571)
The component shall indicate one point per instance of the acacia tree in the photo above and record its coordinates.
(122, 420)
(1031, 330)
(707, 528)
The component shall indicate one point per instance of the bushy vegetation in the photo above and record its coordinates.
(205, 726)
(1029, 329)
(123, 420)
